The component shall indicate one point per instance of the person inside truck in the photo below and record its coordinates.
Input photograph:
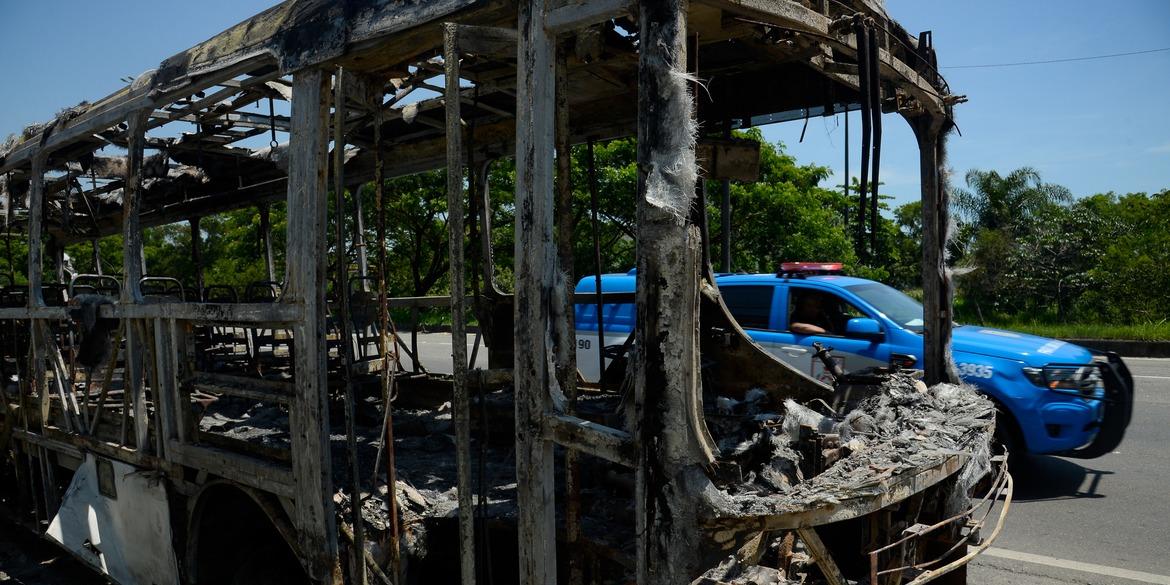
(809, 317)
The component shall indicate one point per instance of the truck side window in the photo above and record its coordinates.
(813, 311)
(750, 305)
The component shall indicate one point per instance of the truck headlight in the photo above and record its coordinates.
(1067, 379)
(1035, 376)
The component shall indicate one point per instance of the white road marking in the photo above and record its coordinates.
(1079, 566)
(1154, 377)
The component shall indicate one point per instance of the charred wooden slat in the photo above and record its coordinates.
(593, 439)
(261, 390)
(249, 471)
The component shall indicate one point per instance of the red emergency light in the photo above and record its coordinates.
(810, 268)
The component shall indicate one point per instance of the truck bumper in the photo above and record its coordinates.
(1117, 406)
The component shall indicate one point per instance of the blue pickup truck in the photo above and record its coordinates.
(1054, 397)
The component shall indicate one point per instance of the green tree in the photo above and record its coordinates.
(786, 215)
(993, 201)
(416, 231)
(1049, 267)
(994, 211)
(1129, 280)
(904, 257)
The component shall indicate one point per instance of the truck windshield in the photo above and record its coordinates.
(892, 302)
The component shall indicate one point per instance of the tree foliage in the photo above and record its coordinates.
(1028, 250)
(1009, 202)
(787, 215)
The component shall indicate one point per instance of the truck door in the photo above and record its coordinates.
(756, 307)
(854, 351)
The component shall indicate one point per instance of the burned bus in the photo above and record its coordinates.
(167, 428)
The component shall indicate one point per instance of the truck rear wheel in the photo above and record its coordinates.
(1007, 434)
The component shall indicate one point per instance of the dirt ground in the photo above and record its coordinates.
(28, 560)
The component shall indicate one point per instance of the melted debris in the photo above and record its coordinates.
(903, 428)
(732, 572)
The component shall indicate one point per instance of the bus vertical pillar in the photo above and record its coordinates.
(132, 269)
(455, 238)
(36, 266)
(566, 357)
(343, 318)
(166, 394)
(936, 283)
(97, 257)
(36, 219)
(536, 281)
(305, 272)
(666, 383)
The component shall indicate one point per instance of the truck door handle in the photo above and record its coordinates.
(793, 350)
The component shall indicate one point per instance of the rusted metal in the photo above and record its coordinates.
(461, 400)
(344, 322)
(566, 341)
(862, 31)
(386, 332)
(1001, 490)
(820, 553)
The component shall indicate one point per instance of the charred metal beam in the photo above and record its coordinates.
(666, 370)
(461, 401)
(937, 306)
(305, 286)
(536, 282)
(579, 14)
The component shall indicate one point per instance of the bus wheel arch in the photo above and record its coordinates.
(236, 534)
(1008, 433)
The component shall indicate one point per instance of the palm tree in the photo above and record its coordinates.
(996, 202)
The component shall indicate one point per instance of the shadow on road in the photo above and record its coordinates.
(1039, 477)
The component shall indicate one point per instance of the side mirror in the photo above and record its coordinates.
(863, 328)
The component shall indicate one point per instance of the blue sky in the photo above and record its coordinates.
(1092, 126)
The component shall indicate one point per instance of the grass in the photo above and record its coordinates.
(1154, 331)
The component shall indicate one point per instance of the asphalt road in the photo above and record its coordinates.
(434, 352)
(1098, 521)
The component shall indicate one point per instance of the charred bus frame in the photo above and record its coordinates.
(528, 79)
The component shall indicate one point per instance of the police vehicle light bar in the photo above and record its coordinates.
(811, 267)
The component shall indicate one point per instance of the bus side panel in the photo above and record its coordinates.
(117, 519)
